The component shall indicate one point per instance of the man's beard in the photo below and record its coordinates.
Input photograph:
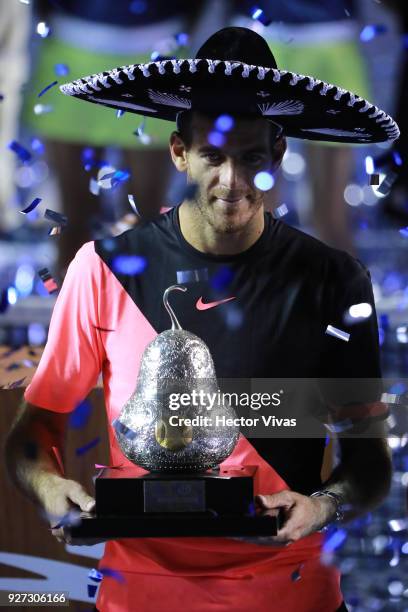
(209, 214)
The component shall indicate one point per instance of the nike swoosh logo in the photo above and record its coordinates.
(201, 306)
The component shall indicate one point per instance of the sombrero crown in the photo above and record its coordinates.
(235, 72)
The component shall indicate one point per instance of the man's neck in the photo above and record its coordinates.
(202, 236)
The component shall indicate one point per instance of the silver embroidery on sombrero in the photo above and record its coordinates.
(334, 132)
(122, 104)
(168, 99)
(286, 107)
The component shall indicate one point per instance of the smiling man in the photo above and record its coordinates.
(270, 292)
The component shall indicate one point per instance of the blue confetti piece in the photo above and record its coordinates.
(119, 113)
(404, 232)
(61, 69)
(296, 574)
(327, 440)
(182, 39)
(399, 388)
(31, 206)
(397, 158)
(258, 15)
(80, 416)
(84, 449)
(20, 151)
(111, 573)
(92, 588)
(47, 88)
(124, 430)
(192, 276)
(334, 541)
(56, 217)
(73, 517)
(95, 575)
(129, 264)
(371, 31)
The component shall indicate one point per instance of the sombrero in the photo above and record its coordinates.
(235, 72)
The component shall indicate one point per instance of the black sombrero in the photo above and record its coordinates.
(235, 72)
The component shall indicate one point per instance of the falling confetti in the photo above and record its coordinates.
(73, 517)
(31, 206)
(95, 575)
(281, 211)
(192, 276)
(374, 179)
(337, 333)
(111, 573)
(258, 15)
(43, 29)
(55, 231)
(43, 91)
(80, 416)
(52, 215)
(47, 279)
(131, 201)
(119, 113)
(122, 429)
(20, 151)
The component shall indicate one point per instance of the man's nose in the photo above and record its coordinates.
(230, 174)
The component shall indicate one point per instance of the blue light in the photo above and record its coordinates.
(36, 333)
(370, 31)
(224, 123)
(24, 279)
(11, 295)
(264, 181)
(37, 146)
(129, 264)
(369, 165)
(137, 7)
(397, 158)
(217, 139)
(404, 232)
(182, 39)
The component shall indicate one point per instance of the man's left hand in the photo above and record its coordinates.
(302, 515)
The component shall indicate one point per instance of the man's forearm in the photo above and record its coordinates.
(30, 458)
(363, 478)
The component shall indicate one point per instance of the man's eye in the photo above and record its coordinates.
(212, 157)
(254, 159)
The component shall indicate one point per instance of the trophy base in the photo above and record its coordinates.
(211, 503)
(175, 526)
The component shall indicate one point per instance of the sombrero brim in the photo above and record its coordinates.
(303, 106)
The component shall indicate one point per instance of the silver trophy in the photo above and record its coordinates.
(152, 433)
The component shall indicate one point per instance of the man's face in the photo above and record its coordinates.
(227, 198)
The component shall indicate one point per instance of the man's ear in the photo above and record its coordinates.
(279, 150)
(178, 151)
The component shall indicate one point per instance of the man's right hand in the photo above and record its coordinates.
(59, 496)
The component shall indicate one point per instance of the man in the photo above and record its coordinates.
(286, 287)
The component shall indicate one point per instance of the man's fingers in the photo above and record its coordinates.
(277, 500)
(79, 496)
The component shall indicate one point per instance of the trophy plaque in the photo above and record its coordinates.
(185, 492)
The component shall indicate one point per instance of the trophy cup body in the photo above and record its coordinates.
(181, 443)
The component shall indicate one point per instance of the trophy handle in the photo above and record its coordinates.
(174, 322)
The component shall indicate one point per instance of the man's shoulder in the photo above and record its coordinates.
(139, 239)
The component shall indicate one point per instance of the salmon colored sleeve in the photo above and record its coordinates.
(74, 353)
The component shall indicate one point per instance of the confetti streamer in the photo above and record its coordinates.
(31, 206)
(20, 151)
(55, 216)
(122, 429)
(259, 15)
(281, 211)
(120, 113)
(141, 133)
(55, 231)
(296, 574)
(92, 588)
(84, 449)
(17, 383)
(49, 282)
(192, 276)
(334, 541)
(387, 183)
(131, 201)
(43, 91)
(398, 524)
(337, 333)
(94, 187)
(95, 575)
(61, 69)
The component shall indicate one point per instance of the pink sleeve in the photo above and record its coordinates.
(73, 356)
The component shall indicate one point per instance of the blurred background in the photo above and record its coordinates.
(72, 172)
